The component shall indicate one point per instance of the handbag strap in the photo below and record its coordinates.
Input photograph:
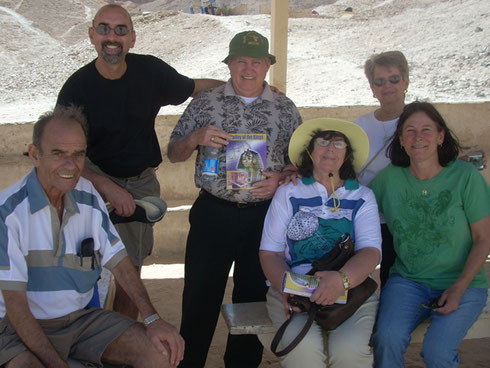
(297, 339)
(388, 140)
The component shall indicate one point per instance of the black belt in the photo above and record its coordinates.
(234, 204)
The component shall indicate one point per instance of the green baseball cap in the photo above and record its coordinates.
(251, 44)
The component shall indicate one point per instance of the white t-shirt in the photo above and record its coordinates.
(379, 132)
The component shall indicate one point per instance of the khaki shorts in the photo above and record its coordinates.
(81, 335)
(137, 237)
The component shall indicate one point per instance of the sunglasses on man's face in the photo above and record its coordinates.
(104, 30)
(393, 79)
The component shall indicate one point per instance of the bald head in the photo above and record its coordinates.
(109, 7)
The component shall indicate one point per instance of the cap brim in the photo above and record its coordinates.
(271, 57)
(155, 208)
(148, 210)
(303, 134)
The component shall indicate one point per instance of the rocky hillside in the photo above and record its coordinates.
(446, 43)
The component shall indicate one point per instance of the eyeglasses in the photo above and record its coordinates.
(394, 79)
(104, 29)
(326, 142)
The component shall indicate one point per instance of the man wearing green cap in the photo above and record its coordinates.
(226, 223)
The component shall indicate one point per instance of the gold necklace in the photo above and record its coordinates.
(425, 191)
(425, 186)
(427, 182)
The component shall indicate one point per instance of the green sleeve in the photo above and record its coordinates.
(476, 197)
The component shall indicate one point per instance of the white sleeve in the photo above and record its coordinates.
(13, 267)
(276, 221)
(367, 228)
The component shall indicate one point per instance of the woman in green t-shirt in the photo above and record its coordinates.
(438, 210)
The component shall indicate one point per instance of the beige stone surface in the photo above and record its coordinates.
(166, 295)
(468, 120)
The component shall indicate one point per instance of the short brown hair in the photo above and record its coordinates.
(387, 59)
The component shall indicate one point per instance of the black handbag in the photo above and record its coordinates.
(329, 317)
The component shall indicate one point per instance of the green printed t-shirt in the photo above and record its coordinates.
(431, 232)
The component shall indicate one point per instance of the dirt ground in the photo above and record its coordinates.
(166, 296)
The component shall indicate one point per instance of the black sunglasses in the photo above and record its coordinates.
(104, 29)
(394, 79)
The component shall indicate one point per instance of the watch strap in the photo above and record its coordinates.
(150, 319)
(345, 280)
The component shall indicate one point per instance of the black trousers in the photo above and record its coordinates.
(221, 233)
(389, 254)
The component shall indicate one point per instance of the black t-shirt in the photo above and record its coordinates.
(121, 113)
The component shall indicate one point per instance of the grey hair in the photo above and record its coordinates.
(63, 114)
(387, 59)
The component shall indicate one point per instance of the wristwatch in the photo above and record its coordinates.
(345, 280)
(150, 319)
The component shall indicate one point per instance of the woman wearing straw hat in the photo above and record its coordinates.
(329, 202)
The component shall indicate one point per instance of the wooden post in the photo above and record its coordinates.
(279, 43)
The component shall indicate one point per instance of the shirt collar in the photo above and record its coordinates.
(349, 184)
(266, 94)
(38, 199)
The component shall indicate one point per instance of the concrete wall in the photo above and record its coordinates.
(470, 122)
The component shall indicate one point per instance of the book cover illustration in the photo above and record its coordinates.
(246, 157)
(305, 285)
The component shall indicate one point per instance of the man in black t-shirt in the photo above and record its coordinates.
(121, 94)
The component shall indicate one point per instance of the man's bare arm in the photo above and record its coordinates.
(127, 276)
(29, 330)
(118, 197)
(204, 84)
(182, 148)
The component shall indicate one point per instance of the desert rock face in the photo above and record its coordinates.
(446, 43)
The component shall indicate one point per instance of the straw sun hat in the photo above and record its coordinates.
(302, 136)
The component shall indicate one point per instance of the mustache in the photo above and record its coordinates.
(110, 43)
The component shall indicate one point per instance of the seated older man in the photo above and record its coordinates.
(55, 237)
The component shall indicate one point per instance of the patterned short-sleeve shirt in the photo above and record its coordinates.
(271, 113)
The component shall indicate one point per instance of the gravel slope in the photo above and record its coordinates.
(446, 43)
